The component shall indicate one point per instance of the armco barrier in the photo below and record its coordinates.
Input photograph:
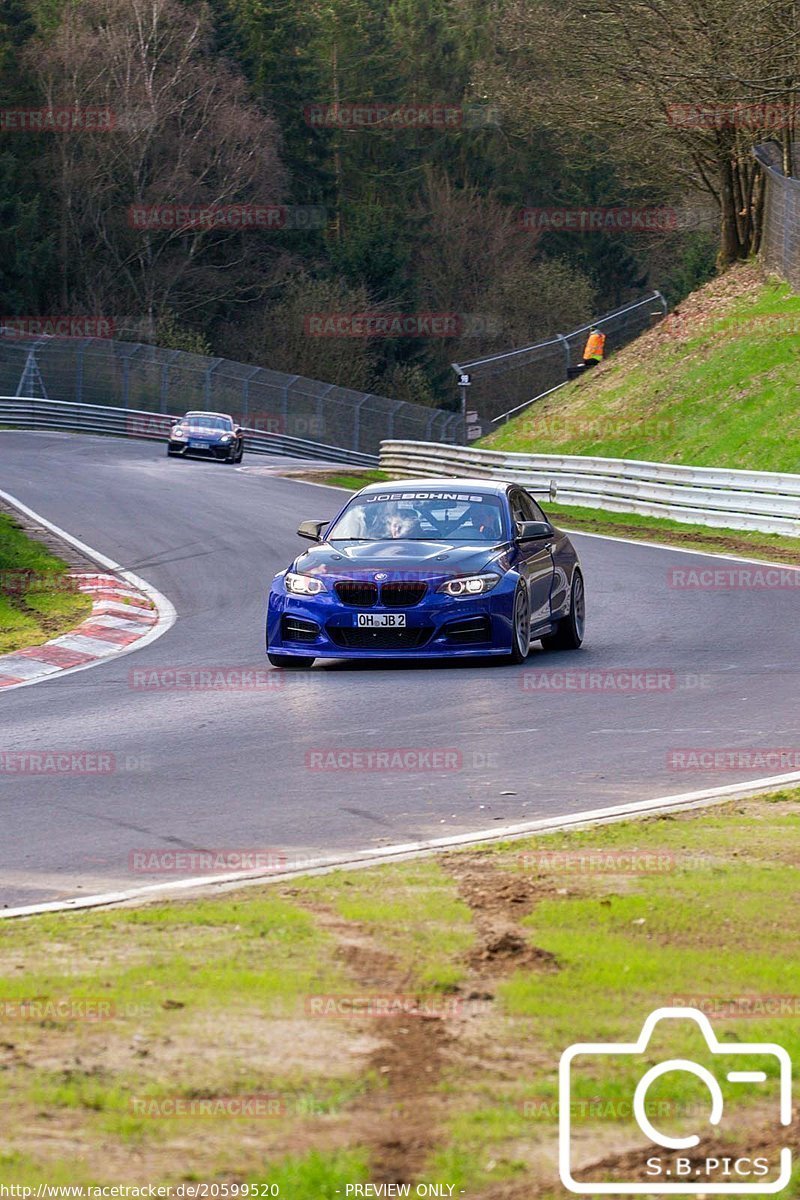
(24, 413)
(758, 500)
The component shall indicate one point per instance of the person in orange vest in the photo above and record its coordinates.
(595, 347)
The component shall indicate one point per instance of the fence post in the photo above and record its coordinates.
(285, 401)
(565, 347)
(207, 381)
(429, 426)
(164, 386)
(246, 394)
(357, 421)
(79, 374)
(126, 375)
(398, 404)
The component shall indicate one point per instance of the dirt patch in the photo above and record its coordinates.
(320, 475)
(751, 1138)
(398, 1120)
(498, 902)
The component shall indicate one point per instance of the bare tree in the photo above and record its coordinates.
(676, 92)
(182, 133)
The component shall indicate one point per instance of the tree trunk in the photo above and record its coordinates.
(730, 248)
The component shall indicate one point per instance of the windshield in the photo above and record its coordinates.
(201, 420)
(420, 516)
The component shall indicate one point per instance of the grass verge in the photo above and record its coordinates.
(403, 1024)
(38, 598)
(713, 385)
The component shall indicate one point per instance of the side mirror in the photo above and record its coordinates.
(312, 530)
(531, 531)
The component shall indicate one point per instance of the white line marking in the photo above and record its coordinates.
(747, 1076)
(607, 537)
(164, 607)
(357, 859)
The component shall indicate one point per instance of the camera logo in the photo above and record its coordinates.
(672, 1168)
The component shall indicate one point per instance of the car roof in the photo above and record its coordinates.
(491, 487)
(202, 413)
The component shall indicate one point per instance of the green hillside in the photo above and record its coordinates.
(715, 384)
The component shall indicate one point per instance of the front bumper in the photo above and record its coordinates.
(214, 450)
(439, 626)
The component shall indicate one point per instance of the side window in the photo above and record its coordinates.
(538, 515)
(523, 508)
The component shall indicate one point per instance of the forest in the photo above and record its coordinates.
(365, 193)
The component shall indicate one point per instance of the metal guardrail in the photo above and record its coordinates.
(31, 413)
(763, 501)
(502, 384)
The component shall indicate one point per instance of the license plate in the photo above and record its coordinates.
(198, 445)
(380, 620)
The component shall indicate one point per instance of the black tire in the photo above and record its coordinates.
(521, 624)
(570, 630)
(241, 453)
(232, 456)
(290, 662)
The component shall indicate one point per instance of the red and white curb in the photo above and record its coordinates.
(127, 614)
(121, 615)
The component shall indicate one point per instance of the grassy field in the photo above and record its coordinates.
(402, 1024)
(716, 384)
(37, 599)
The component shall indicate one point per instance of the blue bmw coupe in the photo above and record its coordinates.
(430, 568)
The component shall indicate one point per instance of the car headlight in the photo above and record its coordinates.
(178, 434)
(226, 437)
(303, 585)
(469, 585)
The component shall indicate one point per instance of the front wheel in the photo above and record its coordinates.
(291, 662)
(570, 630)
(521, 632)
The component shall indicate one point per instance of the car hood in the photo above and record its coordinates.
(210, 435)
(401, 557)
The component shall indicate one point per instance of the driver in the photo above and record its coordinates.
(486, 520)
(394, 523)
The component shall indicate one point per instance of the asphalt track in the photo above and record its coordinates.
(227, 770)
